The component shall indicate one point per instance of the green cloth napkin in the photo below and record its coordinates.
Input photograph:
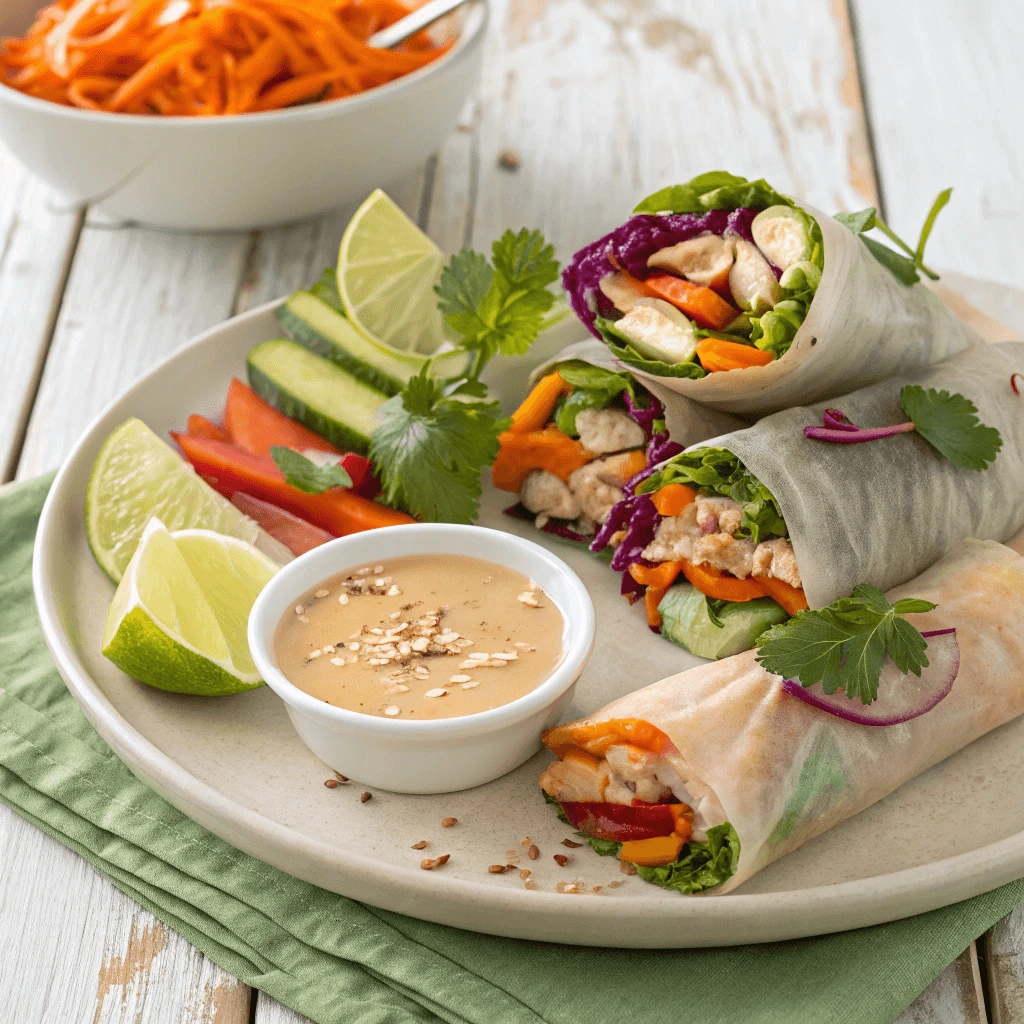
(336, 960)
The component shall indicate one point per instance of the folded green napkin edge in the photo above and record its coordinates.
(336, 960)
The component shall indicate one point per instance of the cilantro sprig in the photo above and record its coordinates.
(306, 475)
(904, 267)
(948, 422)
(844, 645)
(432, 441)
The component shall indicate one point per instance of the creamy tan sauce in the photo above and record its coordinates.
(421, 637)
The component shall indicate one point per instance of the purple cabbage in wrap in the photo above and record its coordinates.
(632, 245)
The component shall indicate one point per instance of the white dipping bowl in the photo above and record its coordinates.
(444, 755)
(239, 172)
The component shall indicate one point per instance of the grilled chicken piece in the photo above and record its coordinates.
(776, 560)
(706, 260)
(622, 291)
(718, 514)
(723, 551)
(751, 280)
(608, 430)
(543, 493)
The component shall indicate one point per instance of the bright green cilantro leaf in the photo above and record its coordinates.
(844, 646)
(461, 289)
(307, 476)
(949, 423)
(430, 449)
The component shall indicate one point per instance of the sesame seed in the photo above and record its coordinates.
(505, 655)
(528, 599)
(300, 609)
(458, 679)
(354, 646)
(571, 844)
(329, 649)
(321, 593)
(497, 869)
(340, 777)
(343, 599)
(421, 845)
(393, 710)
(377, 661)
(314, 654)
(525, 873)
(448, 822)
(531, 884)
(561, 860)
(421, 643)
(526, 842)
(437, 691)
(364, 796)
(533, 853)
(477, 656)
(303, 618)
(402, 688)
(338, 661)
(331, 783)
(377, 569)
(614, 884)
(393, 591)
(471, 685)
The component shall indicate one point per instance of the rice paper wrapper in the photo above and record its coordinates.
(784, 771)
(882, 511)
(862, 326)
(687, 421)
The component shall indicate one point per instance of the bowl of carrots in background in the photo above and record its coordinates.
(227, 114)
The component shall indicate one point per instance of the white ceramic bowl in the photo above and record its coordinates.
(444, 755)
(245, 171)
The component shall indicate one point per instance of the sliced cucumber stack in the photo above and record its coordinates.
(322, 329)
(318, 393)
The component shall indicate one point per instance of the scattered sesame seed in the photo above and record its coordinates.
(561, 860)
(402, 688)
(354, 646)
(597, 888)
(526, 842)
(571, 844)
(505, 655)
(421, 643)
(303, 618)
(569, 888)
(437, 691)
(525, 873)
(343, 599)
(497, 869)
(421, 845)
(477, 656)
(448, 822)
(615, 884)
(377, 661)
(528, 599)
(300, 609)
(429, 865)
(531, 884)
(321, 593)
(331, 783)
(471, 685)
(378, 569)
(394, 591)
(364, 796)
(340, 777)
(338, 661)
(393, 710)
(458, 679)
(533, 853)
(314, 654)
(329, 649)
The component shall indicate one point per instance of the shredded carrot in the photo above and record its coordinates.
(538, 405)
(207, 57)
(671, 499)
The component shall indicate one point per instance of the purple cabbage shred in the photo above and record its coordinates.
(644, 417)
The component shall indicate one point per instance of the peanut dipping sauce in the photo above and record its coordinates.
(421, 637)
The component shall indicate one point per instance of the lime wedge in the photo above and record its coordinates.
(178, 619)
(137, 476)
(387, 269)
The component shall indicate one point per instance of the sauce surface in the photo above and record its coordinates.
(421, 637)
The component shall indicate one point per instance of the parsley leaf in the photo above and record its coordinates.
(499, 309)
(949, 423)
(844, 645)
(307, 476)
(430, 445)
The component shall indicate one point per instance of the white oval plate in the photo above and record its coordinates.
(235, 764)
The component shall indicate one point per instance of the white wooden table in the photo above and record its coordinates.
(603, 101)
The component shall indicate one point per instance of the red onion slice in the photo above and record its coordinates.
(901, 697)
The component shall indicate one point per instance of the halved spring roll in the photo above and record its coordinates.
(736, 534)
(727, 292)
(705, 777)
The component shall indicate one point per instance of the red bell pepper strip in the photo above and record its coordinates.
(228, 468)
(294, 533)
(621, 822)
(200, 426)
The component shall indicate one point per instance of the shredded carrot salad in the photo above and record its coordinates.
(206, 57)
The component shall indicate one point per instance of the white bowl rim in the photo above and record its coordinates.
(477, 18)
(580, 616)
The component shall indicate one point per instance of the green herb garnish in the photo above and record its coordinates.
(306, 475)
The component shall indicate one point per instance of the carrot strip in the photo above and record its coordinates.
(718, 354)
(539, 404)
(792, 599)
(704, 305)
(548, 449)
(652, 598)
(718, 585)
(673, 498)
(660, 576)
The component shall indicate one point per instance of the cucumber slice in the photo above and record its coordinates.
(685, 621)
(316, 392)
(657, 330)
(313, 323)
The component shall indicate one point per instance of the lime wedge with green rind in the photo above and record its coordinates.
(137, 476)
(387, 269)
(178, 619)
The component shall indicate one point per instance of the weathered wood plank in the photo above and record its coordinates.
(944, 82)
(1004, 961)
(36, 243)
(270, 1011)
(954, 997)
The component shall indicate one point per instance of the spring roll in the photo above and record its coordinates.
(586, 434)
(722, 771)
(764, 521)
(745, 301)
